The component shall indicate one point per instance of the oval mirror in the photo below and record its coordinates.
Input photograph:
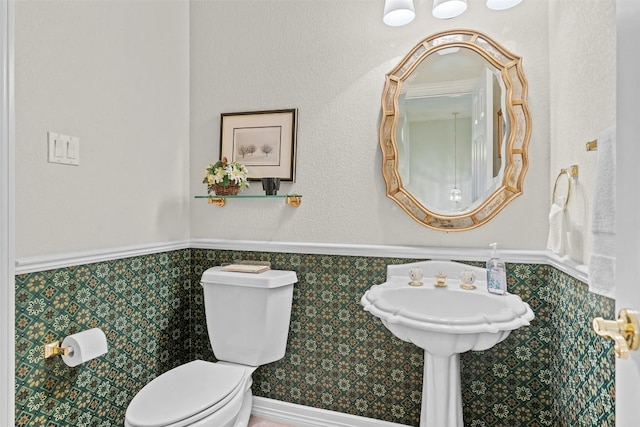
(455, 129)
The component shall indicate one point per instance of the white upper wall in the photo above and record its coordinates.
(120, 76)
(582, 51)
(116, 75)
(328, 59)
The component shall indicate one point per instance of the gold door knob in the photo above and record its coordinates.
(624, 331)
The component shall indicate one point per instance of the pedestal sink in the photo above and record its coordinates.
(444, 322)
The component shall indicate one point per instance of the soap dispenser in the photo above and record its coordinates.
(496, 273)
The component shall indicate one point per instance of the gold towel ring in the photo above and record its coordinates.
(570, 172)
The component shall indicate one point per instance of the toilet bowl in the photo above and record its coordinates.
(198, 393)
(248, 322)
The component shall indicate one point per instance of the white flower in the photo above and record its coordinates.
(218, 176)
(327, 398)
(523, 393)
(235, 174)
(224, 173)
(62, 411)
(500, 410)
(36, 307)
(61, 322)
(379, 390)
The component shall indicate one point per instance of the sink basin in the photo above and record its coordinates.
(447, 320)
(444, 322)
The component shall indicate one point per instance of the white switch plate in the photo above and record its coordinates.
(63, 149)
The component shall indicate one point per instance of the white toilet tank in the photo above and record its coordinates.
(248, 314)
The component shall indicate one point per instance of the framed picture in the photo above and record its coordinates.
(263, 141)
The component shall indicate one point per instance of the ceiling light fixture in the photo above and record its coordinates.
(447, 9)
(398, 12)
(402, 12)
(502, 4)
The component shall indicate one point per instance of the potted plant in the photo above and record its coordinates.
(226, 178)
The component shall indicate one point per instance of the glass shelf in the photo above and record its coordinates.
(290, 199)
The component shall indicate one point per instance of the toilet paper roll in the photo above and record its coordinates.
(85, 345)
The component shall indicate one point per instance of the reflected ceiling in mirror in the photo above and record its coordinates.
(454, 130)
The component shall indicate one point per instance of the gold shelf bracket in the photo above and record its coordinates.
(592, 145)
(218, 201)
(293, 201)
(625, 331)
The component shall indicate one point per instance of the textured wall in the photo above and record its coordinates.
(582, 59)
(116, 75)
(328, 59)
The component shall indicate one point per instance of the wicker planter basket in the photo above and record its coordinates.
(229, 190)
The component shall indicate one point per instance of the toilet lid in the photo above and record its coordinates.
(266, 280)
(195, 389)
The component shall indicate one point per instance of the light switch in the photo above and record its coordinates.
(51, 144)
(63, 149)
(73, 150)
(59, 148)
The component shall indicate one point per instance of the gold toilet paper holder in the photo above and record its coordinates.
(625, 331)
(53, 349)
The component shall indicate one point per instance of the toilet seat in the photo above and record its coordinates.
(186, 394)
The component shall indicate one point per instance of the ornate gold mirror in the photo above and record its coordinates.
(455, 129)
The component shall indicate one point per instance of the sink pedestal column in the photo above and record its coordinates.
(441, 394)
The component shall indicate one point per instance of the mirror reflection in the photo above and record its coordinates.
(455, 129)
(450, 131)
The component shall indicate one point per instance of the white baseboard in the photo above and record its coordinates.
(306, 416)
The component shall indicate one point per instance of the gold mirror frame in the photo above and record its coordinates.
(517, 111)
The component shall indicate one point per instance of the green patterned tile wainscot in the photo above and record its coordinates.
(509, 384)
(582, 363)
(556, 372)
(338, 356)
(141, 305)
(343, 359)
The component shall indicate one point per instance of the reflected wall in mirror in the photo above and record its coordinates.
(455, 129)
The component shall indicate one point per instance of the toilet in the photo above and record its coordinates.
(248, 323)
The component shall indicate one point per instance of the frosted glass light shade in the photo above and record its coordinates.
(502, 4)
(447, 9)
(398, 12)
(456, 195)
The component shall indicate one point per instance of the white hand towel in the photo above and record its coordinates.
(602, 270)
(558, 228)
(603, 222)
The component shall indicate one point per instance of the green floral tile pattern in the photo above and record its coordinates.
(138, 302)
(342, 359)
(555, 372)
(509, 384)
(338, 357)
(581, 361)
